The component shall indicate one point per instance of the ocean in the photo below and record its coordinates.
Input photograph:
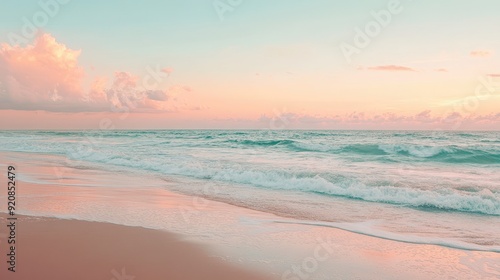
(438, 188)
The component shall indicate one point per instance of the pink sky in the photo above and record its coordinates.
(44, 86)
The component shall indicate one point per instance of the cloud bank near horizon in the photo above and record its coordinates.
(425, 119)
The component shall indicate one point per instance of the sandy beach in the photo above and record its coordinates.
(69, 249)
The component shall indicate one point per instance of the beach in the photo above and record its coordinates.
(233, 140)
(58, 249)
(82, 224)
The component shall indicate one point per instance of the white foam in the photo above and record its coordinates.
(369, 229)
(415, 150)
(443, 198)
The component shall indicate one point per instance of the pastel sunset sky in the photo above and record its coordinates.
(284, 64)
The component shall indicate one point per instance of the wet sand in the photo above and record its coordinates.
(58, 249)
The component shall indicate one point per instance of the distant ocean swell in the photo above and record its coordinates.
(447, 154)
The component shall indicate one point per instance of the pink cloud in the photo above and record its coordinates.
(423, 120)
(390, 68)
(481, 53)
(441, 70)
(494, 75)
(47, 76)
(44, 73)
(127, 92)
(167, 70)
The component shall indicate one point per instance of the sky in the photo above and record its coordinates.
(250, 64)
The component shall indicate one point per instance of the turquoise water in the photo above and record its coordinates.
(443, 187)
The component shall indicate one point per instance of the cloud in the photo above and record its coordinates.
(44, 73)
(422, 120)
(441, 70)
(46, 76)
(167, 70)
(158, 95)
(126, 92)
(390, 68)
(481, 53)
(494, 75)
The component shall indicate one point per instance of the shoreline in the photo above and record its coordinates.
(59, 249)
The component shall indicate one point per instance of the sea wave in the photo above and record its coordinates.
(261, 143)
(415, 150)
(484, 202)
(447, 154)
